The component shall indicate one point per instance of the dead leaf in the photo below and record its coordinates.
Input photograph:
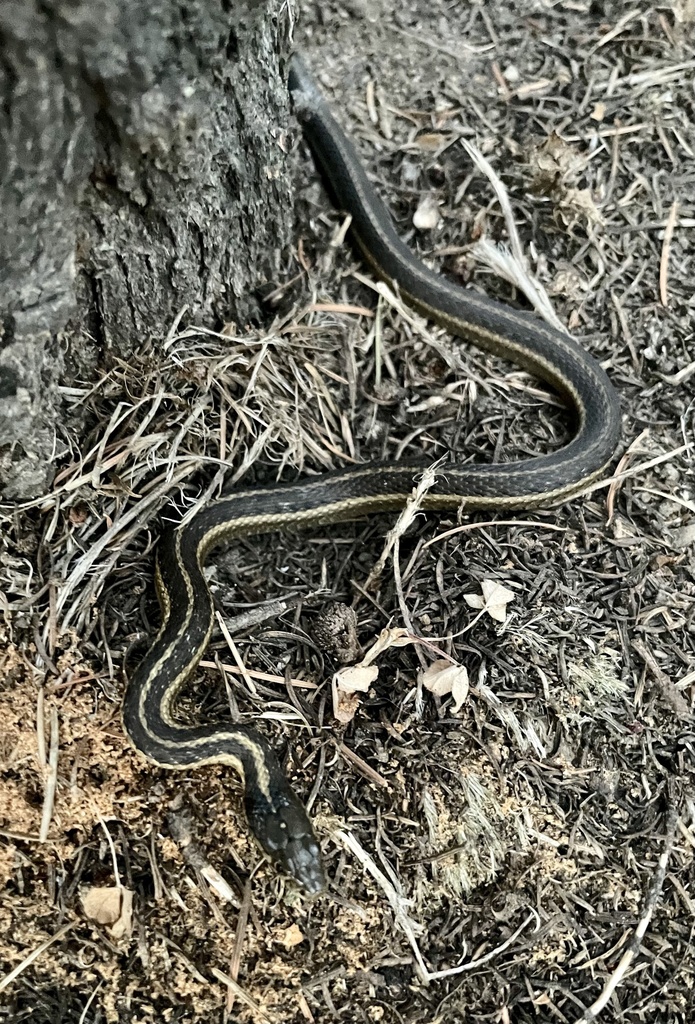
(494, 600)
(576, 205)
(555, 163)
(356, 678)
(397, 636)
(292, 936)
(102, 905)
(345, 705)
(427, 216)
(110, 905)
(432, 141)
(442, 678)
(124, 925)
(348, 682)
(459, 688)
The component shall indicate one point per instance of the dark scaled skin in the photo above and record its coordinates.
(287, 837)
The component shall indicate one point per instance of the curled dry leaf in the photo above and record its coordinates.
(356, 678)
(348, 682)
(395, 637)
(494, 600)
(111, 905)
(345, 705)
(442, 678)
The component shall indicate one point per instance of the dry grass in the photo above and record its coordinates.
(529, 858)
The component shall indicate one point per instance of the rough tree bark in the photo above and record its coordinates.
(142, 170)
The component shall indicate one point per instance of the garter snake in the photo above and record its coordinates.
(275, 814)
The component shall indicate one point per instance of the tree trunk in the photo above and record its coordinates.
(142, 172)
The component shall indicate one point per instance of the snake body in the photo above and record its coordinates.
(275, 814)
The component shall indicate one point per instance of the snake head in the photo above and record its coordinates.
(284, 832)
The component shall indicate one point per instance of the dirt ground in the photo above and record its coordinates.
(520, 852)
